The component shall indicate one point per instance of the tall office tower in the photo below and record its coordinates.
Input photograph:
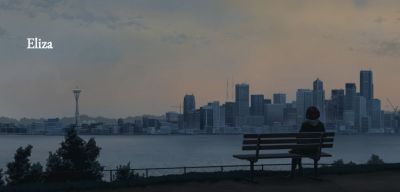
(230, 114)
(206, 118)
(366, 84)
(351, 92)
(304, 99)
(337, 104)
(376, 114)
(257, 105)
(279, 98)
(216, 114)
(318, 95)
(189, 107)
(360, 114)
(242, 103)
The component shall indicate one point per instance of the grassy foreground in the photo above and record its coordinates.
(383, 177)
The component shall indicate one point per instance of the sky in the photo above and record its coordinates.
(142, 56)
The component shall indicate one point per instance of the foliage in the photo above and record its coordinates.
(75, 160)
(338, 162)
(1, 178)
(375, 160)
(21, 170)
(351, 163)
(124, 173)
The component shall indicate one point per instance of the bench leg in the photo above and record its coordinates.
(293, 169)
(252, 170)
(315, 168)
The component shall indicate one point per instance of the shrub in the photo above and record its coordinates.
(20, 170)
(1, 178)
(124, 173)
(75, 160)
(338, 162)
(375, 160)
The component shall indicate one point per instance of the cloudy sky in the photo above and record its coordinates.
(141, 56)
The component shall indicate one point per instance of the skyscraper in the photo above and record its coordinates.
(257, 105)
(230, 114)
(351, 92)
(279, 98)
(360, 114)
(242, 103)
(304, 99)
(318, 94)
(366, 84)
(336, 105)
(189, 107)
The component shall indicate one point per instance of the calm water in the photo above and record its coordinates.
(193, 150)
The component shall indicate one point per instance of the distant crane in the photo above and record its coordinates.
(395, 108)
(178, 106)
(396, 115)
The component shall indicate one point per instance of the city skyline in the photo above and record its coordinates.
(180, 107)
(151, 54)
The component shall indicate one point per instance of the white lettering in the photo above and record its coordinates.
(37, 43)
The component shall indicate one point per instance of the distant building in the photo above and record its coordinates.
(189, 107)
(257, 105)
(54, 127)
(172, 117)
(366, 84)
(304, 99)
(279, 98)
(206, 118)
(319, 97)
(289, 115)
(360, 113)
(242, 103)
(335, 106)
(351, 92)
(230, 114)
(274, 113)
(376, 113)
(267, 101)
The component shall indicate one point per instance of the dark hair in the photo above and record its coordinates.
(312, 113)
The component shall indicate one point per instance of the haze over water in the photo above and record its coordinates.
(194, 150)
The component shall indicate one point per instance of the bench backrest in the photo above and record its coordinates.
(278, 141)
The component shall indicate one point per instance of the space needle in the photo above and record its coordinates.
(76, 92)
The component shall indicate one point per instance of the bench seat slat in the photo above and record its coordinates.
(274, 156)
(282, 135)
(288, 146)
(280, 141)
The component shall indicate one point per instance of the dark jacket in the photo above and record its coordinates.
(312, 126)
(309, 126)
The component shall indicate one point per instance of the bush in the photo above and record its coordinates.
(351, 163)
(338, 162)
(75, 160)
(375, 160)
(1, 178)
(124, 173)
(20, 170)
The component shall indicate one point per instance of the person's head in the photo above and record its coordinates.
(312, 113)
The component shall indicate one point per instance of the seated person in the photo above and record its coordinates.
(312, 124)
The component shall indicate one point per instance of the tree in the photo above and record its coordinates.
(375, 160)
(124, 173)
(76, 159)
(1, 178)
(338, 162)
(21, 170)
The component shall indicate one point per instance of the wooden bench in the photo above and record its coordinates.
(282, 143)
